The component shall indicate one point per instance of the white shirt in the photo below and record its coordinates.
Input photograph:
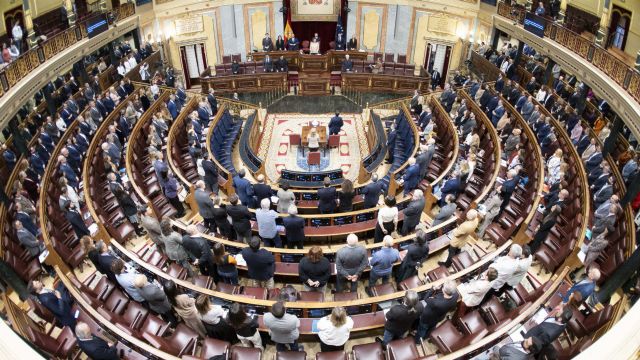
(144, 74)
(213, 315)
(506, 266)
(122, 70)
(17, 32)
(132, 62)
(521, 271)
(61, 125)
(127, 66)
(473, 292)
(541, 96)
(387, 214)
(334, 336)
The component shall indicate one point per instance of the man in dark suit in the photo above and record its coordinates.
(240, 219)
(261, 189)
(411, 176)
(347, 64)
(414, 103)
(212, 101)
(75, 219)
(594, 160)
(507, 188)
(391, 144)
(95, 347)
(604, 193)
(244, 189)
(294, 228)
(551, 328)
(57, 301)
(497, 113)
(531, 86)
(203, 115)
(235, 67)
(424, 158)
(425, 117)
(282, 65)
(335, 124)
(435, 79)
(267, 43)
(205, 206)
(199, 249)
(412, 212)
(371, 192)
(327, 197)
(352, 44)
(436, 308)
(25, 219)
(293, 44)
(171, 106)
(268, 64)
(105, 260)
(28, 240)
(446, 211)
(499, 85)
(210, 174)
(520, 350)
(155, 298)
(450, 187)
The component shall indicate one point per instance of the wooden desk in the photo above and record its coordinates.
(314, 84)
(322, 132)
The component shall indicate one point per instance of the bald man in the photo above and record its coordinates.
(262, 190)
(350, 262)
(95, 348)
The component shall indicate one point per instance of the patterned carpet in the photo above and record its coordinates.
(275, 147)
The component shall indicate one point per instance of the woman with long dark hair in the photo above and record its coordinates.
(346, 196)
(246, 327)
(129, 208)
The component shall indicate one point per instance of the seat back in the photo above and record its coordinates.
(295, 139)
(411, 283)
(291, 355)
(402, 59)
(331, 355)
(245, 353)
(313, 158)
(212, 347)
(446, 337)
(334, 140)
(372, 351)
(183, 340)
(402, 349)
(345, 296)
(314, 296)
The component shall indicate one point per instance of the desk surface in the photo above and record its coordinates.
(322, 132)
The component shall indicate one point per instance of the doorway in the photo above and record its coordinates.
(10, 17)
(194, 63)
(437, 57)
(619, 29)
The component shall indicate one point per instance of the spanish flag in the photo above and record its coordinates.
(287, 31)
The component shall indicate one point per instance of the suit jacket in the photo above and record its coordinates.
(171, 106)
(327, 197)
(205, 204)
(240, 217)
(198, 248)
(508, 187)
(77, 223)
(509, 352)
(212, 102)
(210, 172)
(156, 298)
(335, 124)
(29, 242)
(244, 189)
(262, 191)
(444, 214)
(27, 223)
(294, 227)
(411, 178)
(451, 186)
(593, 161)
(412, 213)
(424, 159)
(61, 308)
(547, 332)
(463, 233)
(98, 349)
(372, 193)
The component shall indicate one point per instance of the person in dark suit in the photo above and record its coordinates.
(68, 172)
(57, 301)
(412, 212)
(94, 347)
(172, 107)
(28, 240)
(594, 160)
(435, 79)
(347, 64)
(424, 158)
(105, 259)
(411, 177)
(352, 44)
(446, 211)
(372, 192)
(221, 218)
(282, 65)
(212, 101)
(327, 197)
(520, 350)
(293, 44)
(294, 228)
(267, 64)
(240, 219)
(585, 286)
(499, 85)
(507, 188)
(604, 193)
(75, 219)
(199, 249)
(244, 189)
(335, 124)
(450, 187)
(210, 174)
(155, 298)
(205, 206)
(551, 328)
(267, 43)
(542, 232)
(279, 43)
(436, 308)
(345, 197)
(261, 189)
(391, 144)
(417, 252)
(235, 67)
(340, 42)
(25, 219)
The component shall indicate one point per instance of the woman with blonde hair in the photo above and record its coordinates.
(212, 316)
(334, 329)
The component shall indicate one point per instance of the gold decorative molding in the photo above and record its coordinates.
(442, 23)
(371, 29)
(322, 5)
(258, 28)
(188, 25)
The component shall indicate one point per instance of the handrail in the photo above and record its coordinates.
(416, 143)
(221, 169)
(437, 108)
(513, 324)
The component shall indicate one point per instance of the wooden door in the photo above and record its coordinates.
(194, 63)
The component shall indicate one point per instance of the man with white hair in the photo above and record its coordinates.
(347, 64)
(205, 206)
(350, 262)
(267, 228)
(382, 263)
(436, 308)
(424, 158)
(461, 236)
(585, 287)
(507, 267)
(294, 228)
(93, 346)
(262, 190)
(411, 176)
(412, 212)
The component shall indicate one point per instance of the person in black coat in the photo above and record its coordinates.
(345, 196)
(261, 264)
(221, 220)
(417, 252)
(412, 212)
(400, 318)
(314, 270)
(57, 301)
(507, 188)
(105, 259)
(391, 144)
(75, 219)
(436, 308)
(551, 328)
(94, 347)
(199, 249)
(548, 222)
(210, 174)
(294, 228)
(240, 219)
(372, 192)
(327, 197)
(261, 190)
(129, 208)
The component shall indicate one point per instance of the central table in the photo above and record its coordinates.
(322, 132)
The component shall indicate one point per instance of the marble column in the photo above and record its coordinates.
(637, 65)
(28, 28)
(562, 12)
(603, 31)
(71, 14)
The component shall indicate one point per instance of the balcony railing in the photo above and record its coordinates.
(621, 73)
(15, 71)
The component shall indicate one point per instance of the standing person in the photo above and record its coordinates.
(244, 189)
(210, 174)
(542, 231)
(91, 252)
(461, 236)
(417, 252)
(129, 208)
(173, 246)
(185, 307)
(199, 249)
(491, 209)
(267, 228)
(57, 301)
(205, 206)
(94, 347)
(225, 264)
(283, 327)
(400, 318)
(126, 279)
(286, 197)
(335, 124)
(151, 224)
(294, 228)
(334, 330)
(345, 196)
(261, 264)
(262, 190)
(382, 263)
(372, 192)
(413, 212)
(155, 298)
(246, 327)
(240, 219)
(446, 211)
(474, 291)
(327, 197)
(221, 219)
(350, 262)
(314, 270)
(436, 308)
(387, 219)
(209, 314)
(411, 178)
(171, 190)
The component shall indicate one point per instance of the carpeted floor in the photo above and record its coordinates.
(279, 154)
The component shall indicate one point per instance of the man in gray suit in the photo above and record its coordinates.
(205, 206)
(156, 298)
(95, 114)
(604, 194)
(521, 350)
(424, 158)
(28, 240)
(412, 212)
(446, 211)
